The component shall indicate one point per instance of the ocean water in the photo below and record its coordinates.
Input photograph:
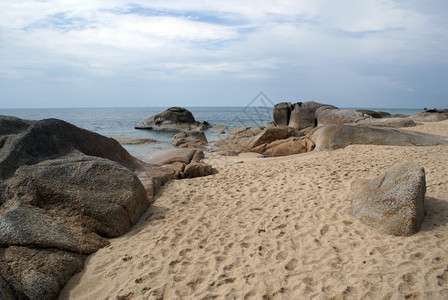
(121, 121)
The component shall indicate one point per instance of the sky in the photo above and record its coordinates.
(147, 53)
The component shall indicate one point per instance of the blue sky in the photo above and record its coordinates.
(348, 53)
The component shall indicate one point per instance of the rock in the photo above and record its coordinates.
(62, 190)
(132, 141)
(340, 136)
(393, 202)
(271, 134)
(41, 273)
(387, 122)
(281, 113)
(301, 118)
(373, 114)
(196, 169)
(290, 146)
(173, 119)
(178, 155)
(314, 106)
(190, 139)
(246, 130)
(229, 153)
(65, 185)
(331, 116)
(6, 292)
(52, 138)
(426, 116)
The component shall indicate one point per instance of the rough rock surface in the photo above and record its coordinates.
(197, 169)
(393, 202)
(340, 136)
(273, 141)
(428, 116)
(186, 163)
(246, 130)
(387, 122)
(132, 141)
(281, 113)
(290, 146)
(173, 119)
(332, 116)
(190, 139)
(62, 190)
(301, 118)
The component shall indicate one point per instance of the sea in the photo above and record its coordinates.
(121, 121)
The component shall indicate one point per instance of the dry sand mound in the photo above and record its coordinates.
(278, 228)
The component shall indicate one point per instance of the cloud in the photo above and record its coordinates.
(340, 51)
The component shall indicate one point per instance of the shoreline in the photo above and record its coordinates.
(278, 227)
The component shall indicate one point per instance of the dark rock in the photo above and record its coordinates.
(373, 114)
(340, 136)
(173, 119)
(314, 106)
(41, 273)
(190, 139)
(281, 113)
(393, 202)
(51, 138)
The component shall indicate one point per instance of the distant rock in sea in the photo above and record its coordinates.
(175, 119)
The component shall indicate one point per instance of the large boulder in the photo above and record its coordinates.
(331, 116)
(37, 141)
(301, 118)
(393, 202)
(190, 139)
(173, 119)
(281, 113)
(63, 189)
(198, 169)
(340, 136)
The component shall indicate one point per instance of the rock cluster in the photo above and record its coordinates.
(185, 163)
(63, 190)
(272, 141)
(190, 139)
(393, 202)
(175, 119)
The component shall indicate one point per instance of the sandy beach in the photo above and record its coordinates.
(278, 228)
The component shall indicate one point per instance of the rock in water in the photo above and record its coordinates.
(393, 202)
(173, 119)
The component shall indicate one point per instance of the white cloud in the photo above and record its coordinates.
(373, 43)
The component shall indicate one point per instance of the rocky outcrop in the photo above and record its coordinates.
(246, 130)
(429, 116)
(186, 163)
(173, 119)
(282, 112)
(393, 202)
(190, 139)
(332, 116)
(273, 141)
(340, 136)
(63, 190)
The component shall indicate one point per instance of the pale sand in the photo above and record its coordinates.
(278, 228)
